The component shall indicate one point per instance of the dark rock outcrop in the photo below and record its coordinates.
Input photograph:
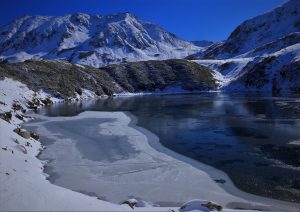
(6, 116)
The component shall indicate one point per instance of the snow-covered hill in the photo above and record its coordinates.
(89, 39)
(259, 31)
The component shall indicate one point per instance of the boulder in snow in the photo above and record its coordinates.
(22, 132)
(16, 106)
(47, 101)
(34, 135)
(200, 205)
(6, 116)
(130, 202)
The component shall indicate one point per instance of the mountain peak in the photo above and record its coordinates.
(90, 39)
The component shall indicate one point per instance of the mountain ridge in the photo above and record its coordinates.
(258, 31)
(89, 39)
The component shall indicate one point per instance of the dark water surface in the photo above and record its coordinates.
(255, 139)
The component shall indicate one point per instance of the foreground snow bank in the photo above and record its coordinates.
(12, 91)
(23, 183)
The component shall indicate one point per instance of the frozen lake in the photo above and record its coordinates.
(253, 139)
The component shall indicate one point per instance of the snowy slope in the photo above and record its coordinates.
(277, 72)
(274, 46)
(225, 71)
(89, 39)
(274, 73)
(259, 31)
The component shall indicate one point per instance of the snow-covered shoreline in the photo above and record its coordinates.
(24, 185)
(137, 180)
(23, 182)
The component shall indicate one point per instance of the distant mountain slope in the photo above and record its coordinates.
(274, 46)
(259, 31)
(261, 55)
(276, 73)
(68, 80)
(89, 39)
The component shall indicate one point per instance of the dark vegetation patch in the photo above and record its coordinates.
(60, 78)
(66, 79)
(151, 75)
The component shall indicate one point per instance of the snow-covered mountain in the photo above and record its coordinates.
(270, 41)
(259, 31)
(89, 39)
(261, 55)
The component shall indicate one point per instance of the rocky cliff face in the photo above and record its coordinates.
(89, 39)
(68, 80)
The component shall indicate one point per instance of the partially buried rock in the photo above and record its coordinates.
(17, 130)
(19, 116)
(200, 205)
(22, 132)
(32, 106)
(47, 101)
(130, 202)
(34, 136)
(134, 203)
(6, 116)
(16, 106)
(34, 103)
(212, 206)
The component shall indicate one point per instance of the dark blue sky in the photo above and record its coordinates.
(188, 19)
